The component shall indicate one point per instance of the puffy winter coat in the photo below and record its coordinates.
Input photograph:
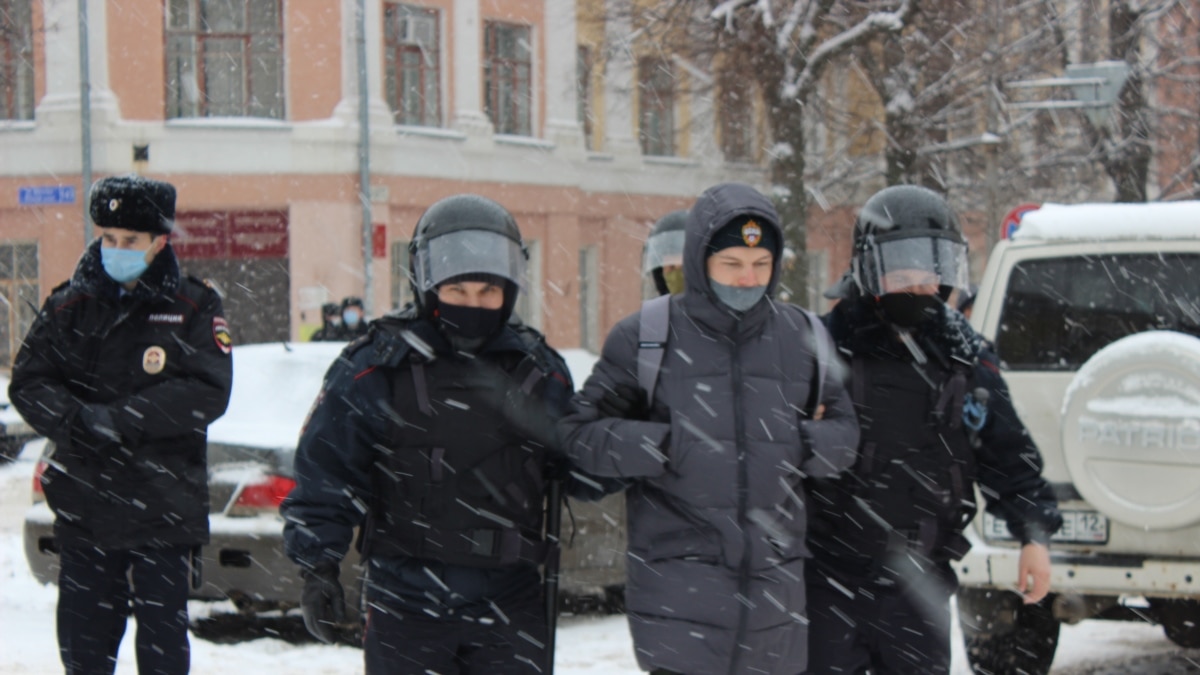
(158, 360)
(717, 509)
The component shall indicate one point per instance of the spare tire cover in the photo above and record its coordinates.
(1131, 430)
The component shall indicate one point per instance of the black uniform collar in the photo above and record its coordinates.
(403, 332)
(858, 328)
(160, 280)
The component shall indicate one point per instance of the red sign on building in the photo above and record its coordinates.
(379, 241)
(231, 234)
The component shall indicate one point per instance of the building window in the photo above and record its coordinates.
(508, 77)
(413, 67)
(656, 104)
(18, 296)
(583, 92)
(401, 286)
(224, 58)
(529, 302)
(589, 298)
(737, 118)
(16, 60)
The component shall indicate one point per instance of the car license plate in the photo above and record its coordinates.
(1079, 527)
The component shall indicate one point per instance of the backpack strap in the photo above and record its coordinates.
(821, 341)
(653, 327)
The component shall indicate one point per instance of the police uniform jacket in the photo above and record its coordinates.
(924, 446)
(717, 509)
(441, 458)
(157, 358)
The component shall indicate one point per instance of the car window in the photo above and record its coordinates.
(1058, 312)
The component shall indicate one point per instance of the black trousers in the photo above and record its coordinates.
(99, 589)
(859, 625)
(503, 638)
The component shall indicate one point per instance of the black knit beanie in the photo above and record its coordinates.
(745, 231)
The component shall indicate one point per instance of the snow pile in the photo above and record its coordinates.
(1159, 220)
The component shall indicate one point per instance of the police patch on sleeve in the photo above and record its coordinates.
(221, 335)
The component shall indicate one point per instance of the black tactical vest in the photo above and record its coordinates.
(457, 483)
(912, 488)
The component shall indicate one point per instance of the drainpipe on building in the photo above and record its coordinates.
(85, 120)
(364, 151)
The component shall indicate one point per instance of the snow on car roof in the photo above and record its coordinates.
(1156, 220)
(275, 384)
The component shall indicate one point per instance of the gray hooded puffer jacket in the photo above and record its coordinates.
(716, 507)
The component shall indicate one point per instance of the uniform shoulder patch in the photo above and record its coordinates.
(221, 335)
(210, 284)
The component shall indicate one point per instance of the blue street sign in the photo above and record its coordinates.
(40, 195)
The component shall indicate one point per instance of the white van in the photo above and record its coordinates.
(1094, 310)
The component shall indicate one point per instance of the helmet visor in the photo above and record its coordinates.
(468, 252)
(897, 264)
(664, 248)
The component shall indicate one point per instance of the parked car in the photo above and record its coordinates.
(250, 452)
(1095, 314)
(14, 432)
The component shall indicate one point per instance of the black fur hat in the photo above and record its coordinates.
(133, 203)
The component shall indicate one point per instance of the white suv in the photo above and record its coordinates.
(1094, 311)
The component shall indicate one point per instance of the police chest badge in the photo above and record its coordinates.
(154, 359)
(221, 335)
(751, 233)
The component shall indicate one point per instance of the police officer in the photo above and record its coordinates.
(354, 321)
(331, 323)
(936, 419)
(662, 254)
(434, 433)
(123, 370)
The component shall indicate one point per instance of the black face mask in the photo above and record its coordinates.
(908, 310)
(470, 322)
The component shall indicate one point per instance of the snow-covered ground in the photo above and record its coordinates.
(586, 646)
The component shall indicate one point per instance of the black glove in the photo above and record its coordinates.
(94, 427)
(624, 401)
(323, 602)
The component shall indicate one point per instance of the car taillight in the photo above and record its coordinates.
(38, 493)
(265, 494)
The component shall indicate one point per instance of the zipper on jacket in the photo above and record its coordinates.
(739, 433)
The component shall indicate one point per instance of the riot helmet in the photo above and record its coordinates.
(663, 253)
(465, 237)
(908, 235)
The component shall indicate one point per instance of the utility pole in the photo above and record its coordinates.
(364, 152)
(85, 122)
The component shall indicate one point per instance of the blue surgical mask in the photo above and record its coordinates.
(350, 317)
(123, 264)
(737, 298)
